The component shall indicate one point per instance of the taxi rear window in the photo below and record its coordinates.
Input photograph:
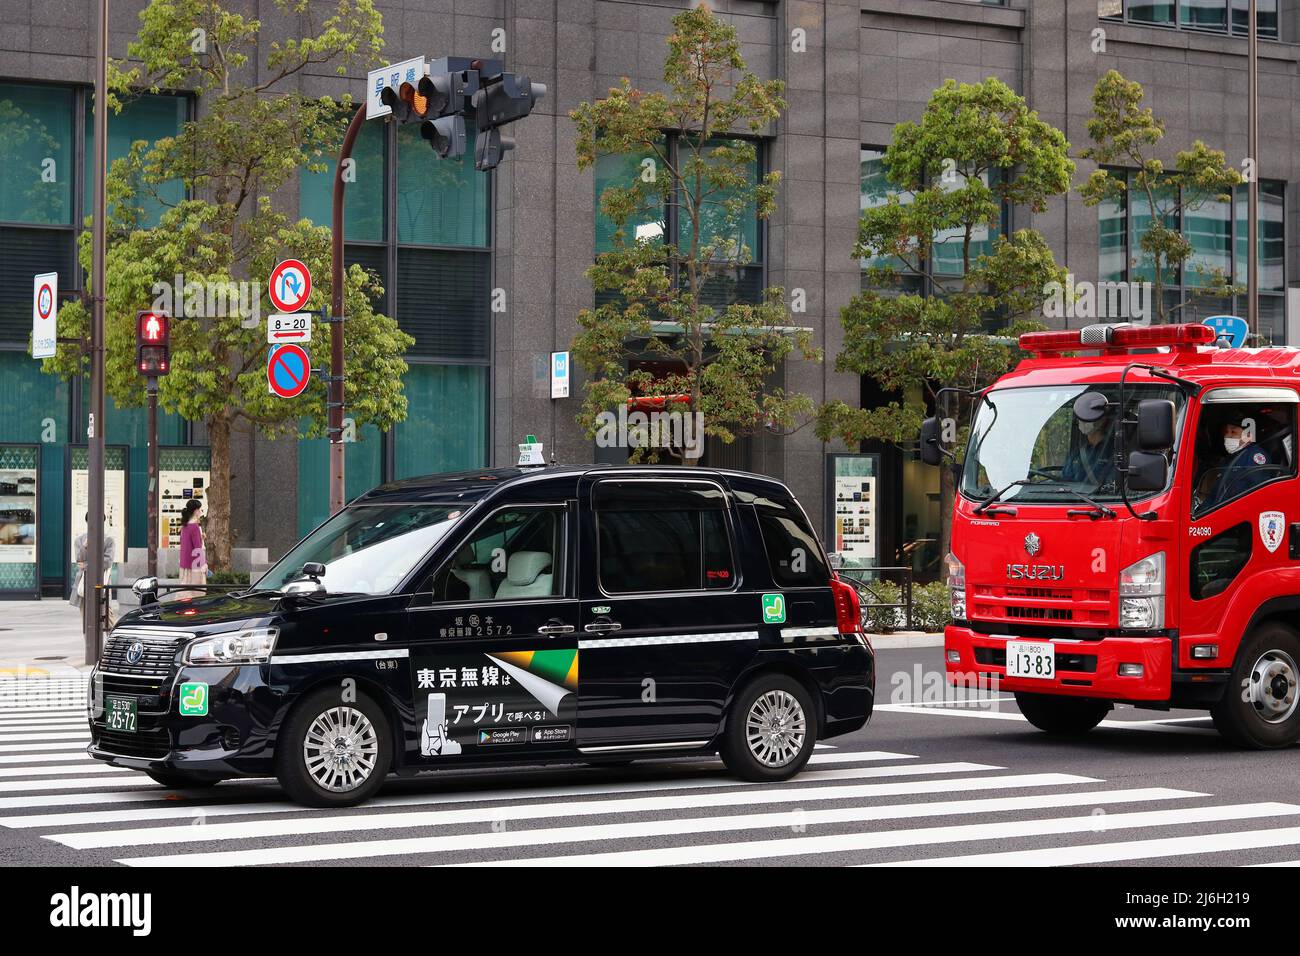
(793, 553)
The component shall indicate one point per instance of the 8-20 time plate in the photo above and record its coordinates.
(1032, 659)
(120, 714)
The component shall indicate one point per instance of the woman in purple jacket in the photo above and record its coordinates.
(193, 562)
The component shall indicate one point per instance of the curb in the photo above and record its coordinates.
(905, 639)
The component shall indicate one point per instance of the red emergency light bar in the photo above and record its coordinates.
(1117, 338)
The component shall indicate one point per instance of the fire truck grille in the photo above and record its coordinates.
(1040, 613)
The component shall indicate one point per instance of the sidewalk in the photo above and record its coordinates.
(40, 638)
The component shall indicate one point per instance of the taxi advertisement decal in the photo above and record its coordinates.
(511, 697)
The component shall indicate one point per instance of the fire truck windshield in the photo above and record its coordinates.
(1031, 436)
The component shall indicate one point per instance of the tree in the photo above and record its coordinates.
(977, 148)
(1127, 134)
(251, 138)
(668, 301)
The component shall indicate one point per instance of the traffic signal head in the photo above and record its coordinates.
(508, 99)
(439, 94)
(152, 343)
(446, 135)
(490, 148)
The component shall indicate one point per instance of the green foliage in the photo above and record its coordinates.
(931, 607)
(228, 577)
(977, 148)
(255, 131)
(720, 357)
(1125, 133)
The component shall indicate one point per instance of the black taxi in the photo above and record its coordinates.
(560, 614)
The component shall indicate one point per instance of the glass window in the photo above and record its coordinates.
(1166, 200)
(367, 549)
(1272, 235)
(1113, 223)
(445, 428)
(146, 117)
(875, 190)
(662, 536)
(36, 154)
(363, 199)
(1208, 227)
(726, 219)
(24, 253)
(1239, 447)
(1217, 561)
(515, 554)
(440, 202)
(793, 553)
(443, 301)
(622, 171)
(1143, 11)
(1265, 14)
(363, 461)
(1027, 446)
(947, 253)
(1205, 14)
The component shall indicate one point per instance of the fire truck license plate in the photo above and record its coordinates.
(1031, 659)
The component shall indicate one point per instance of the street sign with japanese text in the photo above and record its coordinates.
(295, 327)
(45, 315)
(395, 74)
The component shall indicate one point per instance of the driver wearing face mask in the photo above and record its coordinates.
(1247, 466)
(1093, 457)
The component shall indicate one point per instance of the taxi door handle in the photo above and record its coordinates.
(555, 627)
(602, 627)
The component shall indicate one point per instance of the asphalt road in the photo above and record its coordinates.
(929, 779)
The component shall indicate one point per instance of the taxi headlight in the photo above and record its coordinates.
(252, 646)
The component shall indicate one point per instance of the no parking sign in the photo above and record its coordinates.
(289, 286)
(288, 370)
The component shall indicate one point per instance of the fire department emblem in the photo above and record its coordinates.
(1033, 544)
(1271, 524)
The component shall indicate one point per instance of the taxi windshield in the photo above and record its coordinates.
(1028, 444)
(367, 549)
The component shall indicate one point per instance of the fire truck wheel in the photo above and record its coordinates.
(1259, 710)
(1062, 716)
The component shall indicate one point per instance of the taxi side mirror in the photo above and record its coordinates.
(1155, 425)
(1147, 471)
(931, 453)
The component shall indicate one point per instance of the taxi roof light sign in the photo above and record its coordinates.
(530, 453)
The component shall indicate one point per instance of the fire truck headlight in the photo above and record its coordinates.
(957, 603)
(1142, 593)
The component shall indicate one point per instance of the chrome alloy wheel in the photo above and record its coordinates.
(1272, 689)
(340, 749)
(775, 728)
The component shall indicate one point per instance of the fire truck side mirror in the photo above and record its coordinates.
(1155, 425)
(1147, 471)
(931, 453)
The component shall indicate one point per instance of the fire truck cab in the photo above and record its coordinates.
(1127, 529)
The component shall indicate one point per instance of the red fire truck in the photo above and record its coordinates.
(1127, 529)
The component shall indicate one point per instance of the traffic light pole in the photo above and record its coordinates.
(1252, 187)
(151, 390)
(93, 576)
(334, 392)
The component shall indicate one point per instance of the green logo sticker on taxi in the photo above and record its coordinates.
(194, 699)
(773, 608)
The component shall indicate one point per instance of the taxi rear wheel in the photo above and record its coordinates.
(771, 730)
(1260, 709)
(331, 752)
(1062, 716)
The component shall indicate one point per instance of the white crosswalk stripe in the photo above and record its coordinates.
(863, 807)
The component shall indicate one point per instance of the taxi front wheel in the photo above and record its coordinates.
(771, 730)
(333, 752)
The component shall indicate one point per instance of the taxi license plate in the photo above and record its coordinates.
(1032, 659)
(120, 714)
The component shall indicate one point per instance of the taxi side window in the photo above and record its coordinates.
(659, 536)
(1241, 446)
(793, 553)
(515, 554)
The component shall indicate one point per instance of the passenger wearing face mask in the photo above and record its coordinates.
(1093, 457)
(1247, 466)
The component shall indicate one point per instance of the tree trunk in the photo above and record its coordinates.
(217, 537)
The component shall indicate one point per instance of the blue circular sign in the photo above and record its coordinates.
(288, 370)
